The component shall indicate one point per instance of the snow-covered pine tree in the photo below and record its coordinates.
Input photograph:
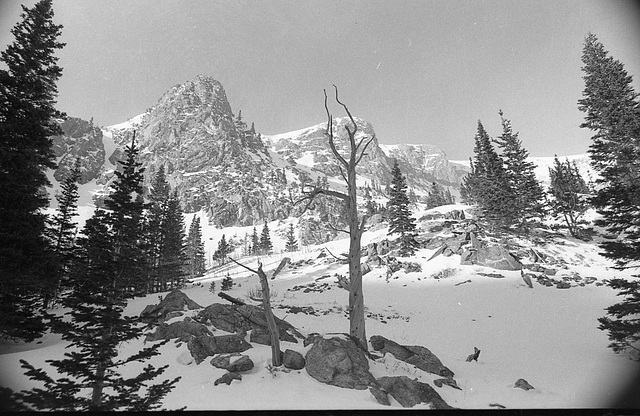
(400, 219)
(28, 92)
(266, 246)
(62, 230)
(290, 237)
(612, 112)
(569, 194)
(525, 191)
(105, 275)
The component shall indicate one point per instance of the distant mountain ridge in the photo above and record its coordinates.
(218, 163)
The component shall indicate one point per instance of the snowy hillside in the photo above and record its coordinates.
(545, 335)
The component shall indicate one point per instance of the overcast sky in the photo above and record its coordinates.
(419, 71)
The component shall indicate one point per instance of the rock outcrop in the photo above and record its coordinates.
(416, 355)
(339, 362)
(496, 257)
(410, 392)
(175, 301)
(205, 346)
(80, 140)
(183, 330)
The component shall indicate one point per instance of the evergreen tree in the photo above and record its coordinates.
(486, 186)
(126, 216)
(155, 223)
(63, 230)
(436, 196)
(27, 122)
(290, 237)
(220, 255)
(526, 193)
(569, 194)
(266, 247)
(612, 112)
(172, 255)
(255, 242)
(195, 250)
(400, 219)
(227, 283)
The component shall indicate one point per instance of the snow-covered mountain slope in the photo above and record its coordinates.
(545, 335)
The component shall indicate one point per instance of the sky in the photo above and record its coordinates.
(422, 72)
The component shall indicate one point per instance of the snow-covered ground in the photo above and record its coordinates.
(545, 335)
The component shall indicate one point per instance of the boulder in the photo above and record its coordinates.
(228, 378)
(205, 346)
(412, 392)
(234, 363)
(522, 384)
(237, 318)
(293, 360)
(496, 257)
(339, 362)
(183, 330)
(173, 302)
(416, 355)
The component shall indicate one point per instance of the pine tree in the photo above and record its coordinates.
(612, 112)
(195, 250)
(266, 247)
(105, 275)
(569, 193)
(486, 186)
(227, 283)
(27, 122)
(154, 228)
(220, 255)
(255, 242)
(525, 191)
(172, 255)
(290, 237)
(400, 219)
(436, 196)
(63, 230)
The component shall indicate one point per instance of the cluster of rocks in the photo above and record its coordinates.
(549, 278)
(314, 287)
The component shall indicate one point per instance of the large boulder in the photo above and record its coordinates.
(412, 392)
(496, 257)
(293, 360)
(339, 362)
(236, 318)
(205, 346)
(416, 355)
(184, 330)
(174, 301)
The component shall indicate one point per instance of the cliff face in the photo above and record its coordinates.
(81, 140)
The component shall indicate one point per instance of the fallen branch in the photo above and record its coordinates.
(461, 283)
(231, 298)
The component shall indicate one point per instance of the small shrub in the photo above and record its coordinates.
(444, 273)
(212, 287)
(227, 283)
(256, 292)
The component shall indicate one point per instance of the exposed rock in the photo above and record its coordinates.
(522, 384)
(235, 318)
(339, 362)
(205, 346)
(234, 363)
(456, 214)
(496, 257)
(563, 285)
(293, 360)
(80, 140)
(182, 330)
(416, 355)
(411, 392)
(380, 395)
(174, 301)
(474, 356)
(228, 378)
(446, 381)
(311, 339)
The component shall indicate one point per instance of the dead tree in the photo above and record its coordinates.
(356, 223)
(276, 354)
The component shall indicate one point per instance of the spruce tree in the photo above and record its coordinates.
(154, 227)
(612, 112)
(569, 194)
(525, 191)
(196, 261)
(172, 255)
(290, 237)
(400, 219)
(266, 246)
(28, 120)
(436, 196)
(62, 229)
(220, 255)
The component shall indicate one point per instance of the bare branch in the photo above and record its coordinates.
(335, 257)
(246, 267)
(310, 196)
(355, 126)
(336, 228)
(364, 149)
